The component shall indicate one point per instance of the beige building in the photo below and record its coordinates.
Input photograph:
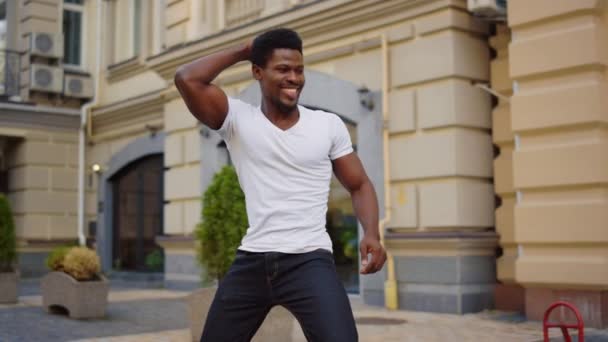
(485, 138)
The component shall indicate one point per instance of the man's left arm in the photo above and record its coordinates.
(351, 174)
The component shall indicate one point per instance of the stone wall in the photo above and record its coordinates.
(43, 176)
(558, 62)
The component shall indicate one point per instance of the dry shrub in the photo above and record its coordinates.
(81, 263)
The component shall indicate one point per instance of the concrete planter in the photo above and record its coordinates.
(82, 299)
(280, 325)
(8, 287)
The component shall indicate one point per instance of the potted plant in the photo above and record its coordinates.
(155, 261)
(9, 276)
(75, 283)
(224, 223)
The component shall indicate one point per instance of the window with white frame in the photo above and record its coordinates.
(157, 38)
(127, 26)
(3, 29)
(136, 27)
(72, 31)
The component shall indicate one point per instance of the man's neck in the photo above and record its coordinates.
(276, 114)
(283, 120)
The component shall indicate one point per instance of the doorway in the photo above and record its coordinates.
(342, 225)
(138, 216)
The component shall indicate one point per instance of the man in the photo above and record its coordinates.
(284, 155)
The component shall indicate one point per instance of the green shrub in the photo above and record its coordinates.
(154, 260)
(8, 239)
(224, 222)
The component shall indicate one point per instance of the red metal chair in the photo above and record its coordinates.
(563, 326)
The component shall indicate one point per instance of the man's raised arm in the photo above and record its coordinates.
(207, 102)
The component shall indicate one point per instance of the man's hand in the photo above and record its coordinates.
(247, 50)
(349, 171)
(371, 245)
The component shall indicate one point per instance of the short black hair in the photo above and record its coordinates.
(265, 43)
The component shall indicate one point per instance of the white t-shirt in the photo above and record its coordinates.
(285, 175)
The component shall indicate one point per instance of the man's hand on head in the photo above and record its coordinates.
(248, 48)
(371, 245)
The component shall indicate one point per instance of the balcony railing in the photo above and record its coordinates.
(9, 73)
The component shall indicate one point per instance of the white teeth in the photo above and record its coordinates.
(290, 92)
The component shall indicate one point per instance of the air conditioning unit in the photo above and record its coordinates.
(78, 86)
(488, 8)
(46, 78)
(48, 45)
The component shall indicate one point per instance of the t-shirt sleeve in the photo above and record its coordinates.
(341, 144)
(226, 131)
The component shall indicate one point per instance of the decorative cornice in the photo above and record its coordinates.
(177, 242)
(318, 23)
(425, 235)
(476, 243)
(43, 245)
(148, 124)
(170, 93)
(38, 117)
(12, 132)
(135, 111)
(125, 69)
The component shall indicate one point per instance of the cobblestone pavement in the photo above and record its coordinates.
(136, 314)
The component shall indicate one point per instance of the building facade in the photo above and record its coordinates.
(485, 139)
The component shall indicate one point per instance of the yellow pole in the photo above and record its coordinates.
(391, 298)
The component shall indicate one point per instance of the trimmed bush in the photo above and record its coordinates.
(81, 263)
(224, 223)
(8, 239)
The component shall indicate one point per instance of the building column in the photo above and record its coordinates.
(558, 59)
(182, 198)
(442, 198)
(42, 191)
(508, 294)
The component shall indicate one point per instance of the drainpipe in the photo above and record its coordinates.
(391, 297)
(390, 285)
(84, 112)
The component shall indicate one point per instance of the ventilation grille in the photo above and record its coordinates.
(78, 86)
(47, 45)
(46, 78)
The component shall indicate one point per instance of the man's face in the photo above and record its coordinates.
(282, 79)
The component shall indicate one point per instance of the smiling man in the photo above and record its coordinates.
(284, 155)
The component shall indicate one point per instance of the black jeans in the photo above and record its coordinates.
(305, 284)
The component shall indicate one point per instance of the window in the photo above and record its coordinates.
(136, 27)
(157, 38)
(2, 9)
(72, 31)
(2, 24)
(127, 27)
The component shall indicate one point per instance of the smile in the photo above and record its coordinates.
(292, 93)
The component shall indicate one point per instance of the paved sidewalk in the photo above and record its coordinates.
(136, 314)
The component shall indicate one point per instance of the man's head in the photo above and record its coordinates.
(278, 65)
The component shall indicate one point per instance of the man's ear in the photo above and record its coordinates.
(256, 71)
